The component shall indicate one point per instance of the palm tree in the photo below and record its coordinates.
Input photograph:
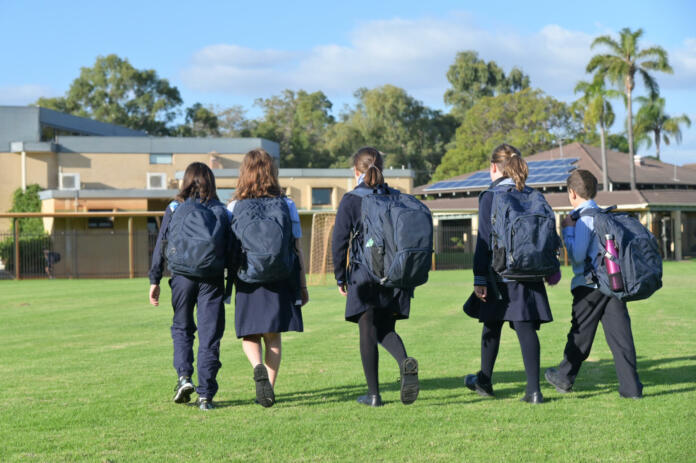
(598, 112)
(621, 65)
(651, 117)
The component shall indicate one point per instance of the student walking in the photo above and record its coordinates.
(270, 282)
(590, 305)
(496, 299)
(197, 268)
(373, 307)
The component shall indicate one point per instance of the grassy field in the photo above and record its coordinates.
(85, 372)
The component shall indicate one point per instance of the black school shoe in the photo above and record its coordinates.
(183, 389)
(371, 400)
(554, 378)
(409, 381)
(533, 398)
(482, 389)
(205, 404)
(264, 391)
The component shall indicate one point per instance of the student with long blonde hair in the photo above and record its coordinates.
(270, 283)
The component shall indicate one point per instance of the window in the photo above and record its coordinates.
(100, 222)
(321, 196)
(225, 194)
(160, 158)
(69, 182)
(156, 181)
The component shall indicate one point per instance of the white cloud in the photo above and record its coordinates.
(24, 94)
(413, 54)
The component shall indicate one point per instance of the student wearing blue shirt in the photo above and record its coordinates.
(265, 310)
(590, 305)
(188, 292)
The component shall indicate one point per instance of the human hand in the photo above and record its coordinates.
(553, 279)
(481, 292)
(342, 289)
(568, 221)
(304, 295)
(154, 295)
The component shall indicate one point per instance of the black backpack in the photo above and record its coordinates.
(397, 237)
(639, 254)
(264, 229)
(197, 239)
(524, 241)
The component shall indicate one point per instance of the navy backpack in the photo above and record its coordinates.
(397, 237)
(639, 254)
(197, 239)
(264, 230)
(524, 241)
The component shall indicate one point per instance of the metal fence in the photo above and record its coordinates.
(77, 254)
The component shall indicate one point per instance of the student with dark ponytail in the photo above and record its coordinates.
(495, 300)
(372, 306)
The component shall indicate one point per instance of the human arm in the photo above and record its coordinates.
(340, 240)
(577, 238)
(157, 266)
(303, 277)
(482, 253)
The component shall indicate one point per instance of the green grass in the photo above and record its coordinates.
(85, 371)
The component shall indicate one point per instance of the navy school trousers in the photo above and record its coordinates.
(208, 295)
(590, 306)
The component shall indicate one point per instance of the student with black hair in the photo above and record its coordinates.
(524, 304)
(373, 307)
(590, 305)
(206, 292)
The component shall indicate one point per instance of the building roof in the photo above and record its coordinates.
(114, 193)
(650, 172)
(625, 199)
(21, 126)
(311, 173)
(24, 124)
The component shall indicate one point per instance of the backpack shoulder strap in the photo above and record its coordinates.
(592, 211)
(173, 205)
(360, 192)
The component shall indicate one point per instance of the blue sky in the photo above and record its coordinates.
(226, 53)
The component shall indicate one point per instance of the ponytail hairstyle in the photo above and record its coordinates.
(368, 161)
(199, 182)
(258, 176)
(509, 161)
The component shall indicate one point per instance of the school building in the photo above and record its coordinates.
(89, 166)
(665, 200)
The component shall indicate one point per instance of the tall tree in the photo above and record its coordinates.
(408, 132)
(652, 119)
(114, 91)
(298, 122)
(598, 112)
(472, 78)
(527, 119)
(624, 60)
(200, 121)
(232, 121)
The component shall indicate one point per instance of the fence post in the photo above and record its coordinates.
(131, 250)
(16, 243)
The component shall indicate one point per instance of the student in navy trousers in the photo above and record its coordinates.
(187, 292)
(524, 304)
(373, 307)
(265, 310)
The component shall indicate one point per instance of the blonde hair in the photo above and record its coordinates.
(368, 161)
(258, 176)
(509, 161)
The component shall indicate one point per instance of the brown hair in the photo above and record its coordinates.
(258, 176)
(368, 161)
(509, 160)
(583, 183)
(199, 181)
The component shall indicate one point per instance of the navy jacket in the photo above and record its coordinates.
(362, 292)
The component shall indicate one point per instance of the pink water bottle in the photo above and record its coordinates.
(611, 261)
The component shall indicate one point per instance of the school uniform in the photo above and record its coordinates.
(524, 304)
(205, 293)
(270, 307)
(363, 293)
(372, 306)
(590, 306)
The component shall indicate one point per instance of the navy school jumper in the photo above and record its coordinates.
(208, 294)
(362, 293)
